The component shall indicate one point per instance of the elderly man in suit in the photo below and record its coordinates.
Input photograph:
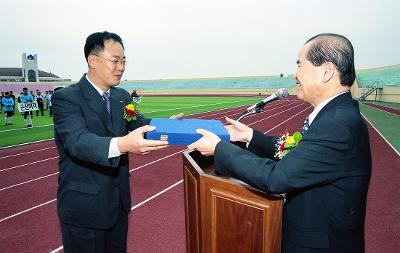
(93, 141)
(326, 177)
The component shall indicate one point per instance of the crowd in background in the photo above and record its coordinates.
(8, 105)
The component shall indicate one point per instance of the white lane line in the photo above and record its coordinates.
(136, 206)
(286, 120)
(25, 153)
(29, 181)
(26, 164)
(273, 115)
(129, 171)
(34, 207)
(57, 250)
(390, 145)
(25, 182)
(391, 113)
(27, 210)
(156, 195)
(160, 159)
(26, 143)
(168, 188)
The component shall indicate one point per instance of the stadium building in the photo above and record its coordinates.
(29, 72)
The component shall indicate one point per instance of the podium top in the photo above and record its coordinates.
(204, 167)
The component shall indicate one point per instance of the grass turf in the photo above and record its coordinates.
(152, 107)
(388, 124)
(163, 107)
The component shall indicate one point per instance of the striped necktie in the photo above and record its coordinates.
(306, 125)
(106, 98)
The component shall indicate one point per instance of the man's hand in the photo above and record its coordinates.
(177, 116)
(134, 142)
(206, 144)
(238, 131)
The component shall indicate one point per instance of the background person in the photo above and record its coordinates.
(8, 104)
(326, 177)
(93, 141)
(40, 101)
(26, 97)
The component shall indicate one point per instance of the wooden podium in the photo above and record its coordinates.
(223, 214)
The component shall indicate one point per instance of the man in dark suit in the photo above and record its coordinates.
(93, 141)
(326, 176)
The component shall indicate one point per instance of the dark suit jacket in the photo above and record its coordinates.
(91, 187)
(326, 179)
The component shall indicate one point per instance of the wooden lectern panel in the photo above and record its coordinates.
(192, 206)
(226, 215)
(238, 219)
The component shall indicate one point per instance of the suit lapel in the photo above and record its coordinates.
(343, 98)
(95, 102)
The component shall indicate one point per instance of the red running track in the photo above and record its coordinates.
(28, 182)
(384, 108)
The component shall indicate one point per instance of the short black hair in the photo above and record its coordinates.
(334, 48)
(95, 42)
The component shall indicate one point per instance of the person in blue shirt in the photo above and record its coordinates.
(26, 98)
(8, 105)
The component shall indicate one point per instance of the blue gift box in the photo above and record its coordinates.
(183, 131)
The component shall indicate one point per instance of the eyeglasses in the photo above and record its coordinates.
(115, 62)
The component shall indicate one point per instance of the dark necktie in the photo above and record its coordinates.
(306, 125)
(106, 98)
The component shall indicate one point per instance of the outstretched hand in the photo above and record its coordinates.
(205, 145)
(135, 142)
(238, 131)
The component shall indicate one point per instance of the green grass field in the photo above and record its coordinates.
(163, 107)
(387, 124)
(152, 107)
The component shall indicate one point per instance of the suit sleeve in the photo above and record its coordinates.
(262, 145)
(72, 131)
(318, 159)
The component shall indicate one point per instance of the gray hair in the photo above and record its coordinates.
(334, 48)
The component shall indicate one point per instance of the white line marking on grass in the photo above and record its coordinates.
(195, 106)
(26, 164)
(19, 129)
(25, 153)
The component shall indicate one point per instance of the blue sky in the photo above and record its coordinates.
(196, 38)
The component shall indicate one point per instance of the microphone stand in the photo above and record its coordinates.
(248, 113)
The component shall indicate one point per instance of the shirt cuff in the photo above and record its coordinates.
(113, 150)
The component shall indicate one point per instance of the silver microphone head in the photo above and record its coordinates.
(282, 93)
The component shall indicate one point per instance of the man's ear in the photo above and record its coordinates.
(329, 71)
(91, 61)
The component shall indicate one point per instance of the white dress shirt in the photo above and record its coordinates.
(319, 107)
(113, 150)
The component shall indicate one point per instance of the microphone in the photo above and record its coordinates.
(279, 94)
